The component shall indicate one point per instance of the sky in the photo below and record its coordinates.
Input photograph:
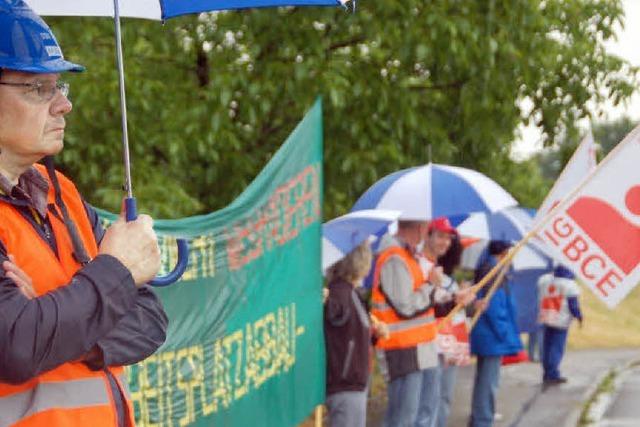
(626, 46)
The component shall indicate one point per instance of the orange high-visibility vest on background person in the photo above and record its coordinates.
(403, 332)
(71, 394)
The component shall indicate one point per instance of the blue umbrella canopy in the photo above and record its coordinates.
(431, 191)
(342, 235)
(159, 9)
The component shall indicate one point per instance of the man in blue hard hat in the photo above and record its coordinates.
(74, 306)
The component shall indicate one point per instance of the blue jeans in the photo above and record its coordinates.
(555, 340)
(447, 385)
(534, 345)
(347, 409)
(485, 387)
(403, 398)
(429, 397)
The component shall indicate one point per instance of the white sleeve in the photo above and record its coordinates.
(571, 288)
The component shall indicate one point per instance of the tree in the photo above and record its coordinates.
(212, 97)
(607, 134)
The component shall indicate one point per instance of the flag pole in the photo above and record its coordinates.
(543, 221)
(494, 287)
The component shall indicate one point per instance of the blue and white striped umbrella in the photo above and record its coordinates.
(432, 191)
(510, 224)
(343, 234)
(159, 9)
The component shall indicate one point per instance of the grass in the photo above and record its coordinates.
(605, 328)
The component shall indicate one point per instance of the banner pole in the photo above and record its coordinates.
(492, 290)
(483, 282)
(318, 417)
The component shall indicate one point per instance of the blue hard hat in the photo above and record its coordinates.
(27, 43)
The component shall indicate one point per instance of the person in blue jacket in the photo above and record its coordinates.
(495, 335)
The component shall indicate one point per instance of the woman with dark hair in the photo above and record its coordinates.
(442, 246)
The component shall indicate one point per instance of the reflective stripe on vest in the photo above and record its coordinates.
(403, 332)
(52, 395)
(71, 394)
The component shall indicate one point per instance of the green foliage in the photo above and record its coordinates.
(609, 134)
(212, 97)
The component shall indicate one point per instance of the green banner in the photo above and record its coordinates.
(245, 345)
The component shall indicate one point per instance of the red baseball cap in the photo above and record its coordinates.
(442, 224)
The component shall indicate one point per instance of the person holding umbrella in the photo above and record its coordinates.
(73, 302)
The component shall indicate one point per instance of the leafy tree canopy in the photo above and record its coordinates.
(212, 97)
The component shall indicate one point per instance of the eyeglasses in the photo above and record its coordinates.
(45, 91)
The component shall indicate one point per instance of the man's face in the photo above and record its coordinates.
(438, 242)
(30, 128)
(413, 235)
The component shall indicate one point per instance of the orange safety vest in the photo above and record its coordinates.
(403, 332)
(71, 394)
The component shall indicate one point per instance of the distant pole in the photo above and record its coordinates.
(429, 152)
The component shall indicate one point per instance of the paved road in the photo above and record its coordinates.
(522, 402)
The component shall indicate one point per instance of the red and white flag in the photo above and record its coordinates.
(581, 164)
(596, 230)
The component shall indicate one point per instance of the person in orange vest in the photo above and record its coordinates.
(404, 299)
(74, 306)
(558, 294)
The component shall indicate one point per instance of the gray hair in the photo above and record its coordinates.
(354, 266)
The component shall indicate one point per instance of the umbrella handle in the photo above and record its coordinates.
(131, 212)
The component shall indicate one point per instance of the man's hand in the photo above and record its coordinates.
(135, 245)
(19, 277)
(436, 276)
(380, 329)
(465, 296)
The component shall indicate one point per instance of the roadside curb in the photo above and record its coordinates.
(574, 416)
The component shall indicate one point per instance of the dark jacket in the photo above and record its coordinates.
(496, 333)
(37, 329)
(347, 338)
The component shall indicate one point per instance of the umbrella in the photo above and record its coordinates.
(343, 234)
(159, 9)
(509, 224)
(152, 9)
(431, 191)
(530, 257)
